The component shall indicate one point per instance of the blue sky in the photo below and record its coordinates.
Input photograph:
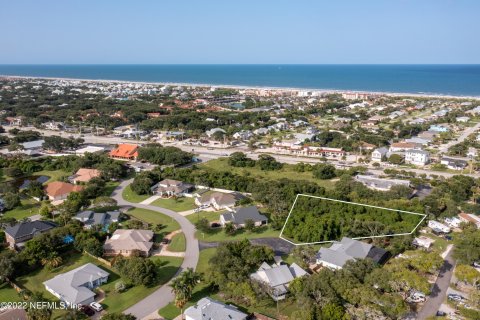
(243, 31)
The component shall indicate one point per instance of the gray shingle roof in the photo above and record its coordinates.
(341, 252)
(209, 309)
(240, 215)
(71, 286)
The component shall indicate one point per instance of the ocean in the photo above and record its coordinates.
(455, 80)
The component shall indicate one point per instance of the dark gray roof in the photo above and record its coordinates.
(240, 215)
(29, 228)
(97, 218)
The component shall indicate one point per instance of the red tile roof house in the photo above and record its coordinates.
(125, 152)
(84, 175)
(58, 191)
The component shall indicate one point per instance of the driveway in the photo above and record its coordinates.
(439, 290)
(162, 296)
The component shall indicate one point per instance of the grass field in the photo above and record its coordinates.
(178, 243)
(154, 217)
(28, 207)
(114, 302)
(287, 171)
(178, 205)
(54, 175)
(8, 294)
(211, 216)
(131, 196)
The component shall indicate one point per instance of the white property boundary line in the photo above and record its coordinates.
(355, 203)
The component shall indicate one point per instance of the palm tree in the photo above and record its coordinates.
(182, 287)
(52, 261)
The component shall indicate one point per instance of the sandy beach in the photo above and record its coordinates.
(242, 87)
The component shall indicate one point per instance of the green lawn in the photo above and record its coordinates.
(170, 311)
(118, 302)
(54, 175)
(114, 302)
(154, 217)
(178, 243)
(28, 207)
(219, 235)
(8, 294)
(287, 171)
(131, 196)
(178, 205)
(109, 187)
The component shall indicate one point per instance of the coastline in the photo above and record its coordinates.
(243, 87)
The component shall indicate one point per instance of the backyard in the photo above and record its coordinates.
(28, 207)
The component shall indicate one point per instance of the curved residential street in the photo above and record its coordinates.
(162, 296)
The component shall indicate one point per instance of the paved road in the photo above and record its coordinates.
(439, 290)
(163, 295)
(460, 139)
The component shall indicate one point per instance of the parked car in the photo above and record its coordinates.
(165, 241)
(87, 310)
(476, 264)
(455, 297)
(96, 306)
(441, 313)
(447, 237)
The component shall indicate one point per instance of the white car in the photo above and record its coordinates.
(96, 306)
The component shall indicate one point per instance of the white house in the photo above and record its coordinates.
(207, 308)
(438, 226)
(379, 154)
(453, 222)
(417, 157)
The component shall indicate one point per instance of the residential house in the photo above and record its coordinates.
(470, 218)
(453, 163)
(75, 287)
(402, 146)
(32, 148)
(14, 121)
(419, 141)
(304, 137)
(84, 175)
(379, 154)
(346, 250)
(16, 235)
(423, 241)
(90, 218)
(299, 123)
(438, 128)
(243, 135)
(125, 242)
(239, 217)
(380, 184)
(217, 200)
(125, 152)
(453, 222)
(438, 226)
(417, 157)
(261, 131)
(58, 190)
(170, 187)
(462, 119)
(278, 278)
(209, 309)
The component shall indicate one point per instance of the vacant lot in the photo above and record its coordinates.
(314, 220)
(176, 204)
